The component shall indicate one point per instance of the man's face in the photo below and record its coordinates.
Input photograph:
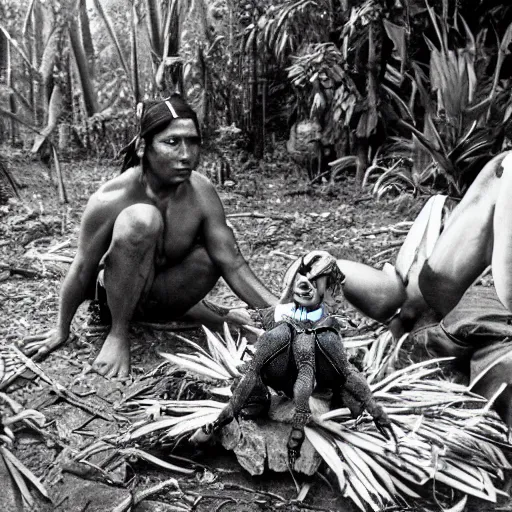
(174, 152)
(309, 293)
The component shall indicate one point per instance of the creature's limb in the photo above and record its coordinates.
(332, 347)
(357, 386)
(269, 345)
(304, 355)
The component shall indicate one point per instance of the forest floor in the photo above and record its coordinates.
(276, 217)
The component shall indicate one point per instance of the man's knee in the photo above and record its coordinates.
(139, 225)
(438, 292)
(504, 291)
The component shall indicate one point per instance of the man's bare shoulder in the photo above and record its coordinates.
(203, 187)
(118, 188)
(201, 182)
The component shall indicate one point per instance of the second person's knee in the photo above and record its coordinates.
(504, 292)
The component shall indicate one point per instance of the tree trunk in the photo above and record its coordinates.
(362, 160)
(41, 24)
(173, 47)
(3, 67)
(90, 102)
(3, 49)
(134, 56)
(12, 104)
(86, 37)
(255, 104)
(154, 23)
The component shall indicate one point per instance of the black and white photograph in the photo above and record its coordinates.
(255, 255)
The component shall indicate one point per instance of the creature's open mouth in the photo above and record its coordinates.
(304, 294)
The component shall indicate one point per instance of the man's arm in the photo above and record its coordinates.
(93, 241)
(224, 252)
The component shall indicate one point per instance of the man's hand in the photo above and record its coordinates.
(42, 344)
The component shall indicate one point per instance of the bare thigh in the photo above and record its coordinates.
(376, 293)
(502, 249)
(465, 247)
(176, 289)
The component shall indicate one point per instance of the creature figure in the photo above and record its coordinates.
(304, 349)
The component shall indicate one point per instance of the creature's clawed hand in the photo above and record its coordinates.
(385, 427)
(294, 445)
(226, 416)
(204, 433)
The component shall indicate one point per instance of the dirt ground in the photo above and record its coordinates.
(276, 217)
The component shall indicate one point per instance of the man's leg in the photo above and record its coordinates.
(129, 269)
(465, 248)
(502, 247)
(376, 293)
(177, 292)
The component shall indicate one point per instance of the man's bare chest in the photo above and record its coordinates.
(181, 231)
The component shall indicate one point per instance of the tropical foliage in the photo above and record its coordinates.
(465, 108)
(415, 91)
(449, 440)
(22, 478)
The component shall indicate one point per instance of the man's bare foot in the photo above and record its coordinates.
(114, 357)
(240, 316)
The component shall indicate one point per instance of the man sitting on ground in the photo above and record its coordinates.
(157, 238)
(429, 291)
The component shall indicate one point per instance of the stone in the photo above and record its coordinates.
(230, 435)
(154, 506)
(262, 443)
(251, 450)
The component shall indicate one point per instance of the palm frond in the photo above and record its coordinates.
(447, 436)
(22, 477)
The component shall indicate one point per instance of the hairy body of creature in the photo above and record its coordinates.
(302, 351)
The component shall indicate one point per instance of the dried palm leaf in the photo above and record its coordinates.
(448, 437)
(20, 474)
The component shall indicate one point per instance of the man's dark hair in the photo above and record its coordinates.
(155, 116)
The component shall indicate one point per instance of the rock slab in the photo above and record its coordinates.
(260, 444)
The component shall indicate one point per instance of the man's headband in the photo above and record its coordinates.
(171, 109)
(154, 116)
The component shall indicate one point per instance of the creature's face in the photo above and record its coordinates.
(309, 293)
(174, 152)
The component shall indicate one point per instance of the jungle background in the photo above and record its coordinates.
(327, 124)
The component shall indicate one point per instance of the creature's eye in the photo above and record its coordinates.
(171, 141)
(304, 269)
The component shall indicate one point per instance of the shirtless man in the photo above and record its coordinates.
(159, 231)
(478, 233)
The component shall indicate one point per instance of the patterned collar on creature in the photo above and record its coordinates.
(300, 313)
